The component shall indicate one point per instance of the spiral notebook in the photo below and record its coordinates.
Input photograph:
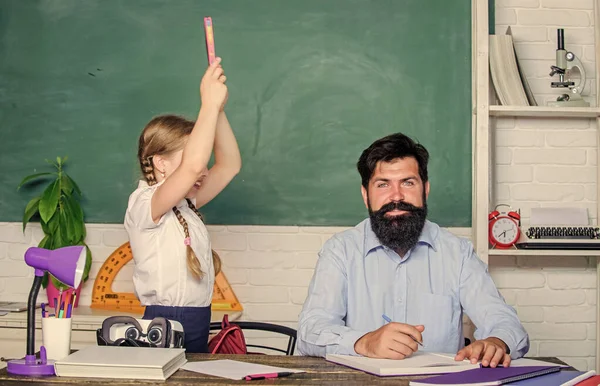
(486, 376)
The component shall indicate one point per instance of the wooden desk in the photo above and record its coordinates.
(319, 372)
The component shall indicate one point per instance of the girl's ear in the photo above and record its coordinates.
(159, 163)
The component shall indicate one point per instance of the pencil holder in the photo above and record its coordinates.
(56, 336)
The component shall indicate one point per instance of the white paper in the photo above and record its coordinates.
(226, 368)
(559, 216)
(532, 362)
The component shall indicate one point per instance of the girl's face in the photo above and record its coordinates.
(172, 162)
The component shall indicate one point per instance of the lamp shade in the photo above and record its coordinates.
(66, 264)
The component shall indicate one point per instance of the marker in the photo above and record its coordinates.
(210, 39)
(255, 377)
(387, 319)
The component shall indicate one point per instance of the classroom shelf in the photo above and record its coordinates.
(542, 252)
(544, 111)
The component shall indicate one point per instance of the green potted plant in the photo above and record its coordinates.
(61, 218)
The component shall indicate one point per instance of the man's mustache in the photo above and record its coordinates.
(397, 205)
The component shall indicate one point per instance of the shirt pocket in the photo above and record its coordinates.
(439, 315)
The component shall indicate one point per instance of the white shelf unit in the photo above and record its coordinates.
(482, 145)
(541, 252)
(544, 111)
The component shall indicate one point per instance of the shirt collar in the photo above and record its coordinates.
(143, 184)
(428, 236)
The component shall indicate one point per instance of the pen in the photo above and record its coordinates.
(43, 310)
(387, 319)
(255, 377)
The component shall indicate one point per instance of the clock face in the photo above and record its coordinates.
(505, 231)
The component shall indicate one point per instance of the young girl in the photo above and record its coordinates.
(174, 265)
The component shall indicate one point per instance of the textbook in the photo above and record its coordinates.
(122, 362)
(417, 364)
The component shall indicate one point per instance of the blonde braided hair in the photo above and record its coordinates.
(164, 135)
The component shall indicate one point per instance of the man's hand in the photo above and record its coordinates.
(392, 341)
(491, 351)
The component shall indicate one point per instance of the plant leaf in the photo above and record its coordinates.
(75, 186)
(44, 241)
(63, 224)
(59, 284)
(45, 280)
(77, 211)
(88, 264)
(49, 243)
(49, 201)
(52, 225)
(30, 210)
(66, 185)
(73, 217)
(58, 238)
(45, 228)
(73, 234)
(32, 177)
(51, 163)
(58, 161)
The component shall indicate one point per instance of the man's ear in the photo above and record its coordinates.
(427, 189)
(365, 196)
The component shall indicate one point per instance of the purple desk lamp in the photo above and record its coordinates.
(66, 264)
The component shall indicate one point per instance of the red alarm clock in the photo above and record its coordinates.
(504, 228)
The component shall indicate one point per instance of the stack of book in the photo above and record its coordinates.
(508, 78)
(122, 362)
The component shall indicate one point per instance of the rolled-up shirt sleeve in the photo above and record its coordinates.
(321, 326)
(486, 307)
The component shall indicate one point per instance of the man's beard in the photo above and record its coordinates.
(400, 232)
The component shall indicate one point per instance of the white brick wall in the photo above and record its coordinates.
(549, 163)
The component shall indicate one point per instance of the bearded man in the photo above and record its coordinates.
(397, 282)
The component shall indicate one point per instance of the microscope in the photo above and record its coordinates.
(566, 61)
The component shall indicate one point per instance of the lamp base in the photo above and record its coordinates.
(30, 366)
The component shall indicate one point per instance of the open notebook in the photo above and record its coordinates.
(417, 364)
(122, 362)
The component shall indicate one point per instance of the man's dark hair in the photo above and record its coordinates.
(389, 148)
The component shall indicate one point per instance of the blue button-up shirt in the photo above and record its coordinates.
(357, 279)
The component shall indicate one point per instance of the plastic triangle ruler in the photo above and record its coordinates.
(103, 296)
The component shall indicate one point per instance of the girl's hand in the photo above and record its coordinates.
(213, 90)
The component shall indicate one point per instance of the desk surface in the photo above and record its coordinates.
(318, 372)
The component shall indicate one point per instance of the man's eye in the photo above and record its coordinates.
(382, 185)
(409, 183)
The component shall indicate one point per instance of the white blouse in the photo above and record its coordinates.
(160, 275)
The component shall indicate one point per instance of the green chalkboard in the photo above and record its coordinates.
(312, 83)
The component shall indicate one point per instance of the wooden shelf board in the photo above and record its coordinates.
(542, 252)
(544, 111)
